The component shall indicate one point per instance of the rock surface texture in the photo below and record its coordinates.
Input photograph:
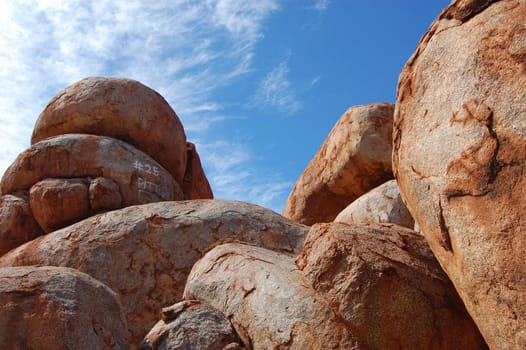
(267, 299)
(17, 224)
(190, 324)
(195, 184)
(144, 253)
(387, 286)
(58, 308)
(382, 204)
(355, 158)
(460, 157)
(120, 108)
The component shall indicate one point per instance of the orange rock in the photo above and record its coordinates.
(382, 204)
(104, 195)
(58, 308)
(56, 203)
(17, 224)
(269, 301)
(140, 178)
(120, 108)
(195, 184)
(144, 253)
(190, 325)
(355, 158)
(460, 157)
(387, 286)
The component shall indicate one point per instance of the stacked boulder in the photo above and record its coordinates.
(173, 273)
(101, 144)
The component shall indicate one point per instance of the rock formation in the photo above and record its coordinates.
(144, 253)
(355, 158)
(267, 299)
(123, 109)
(382, 204)
(460, 157)
(101, 144)
(385, 283)
(58, 308)
(191, 324)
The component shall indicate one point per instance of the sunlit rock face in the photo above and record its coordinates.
(460, 157)
(355, 158)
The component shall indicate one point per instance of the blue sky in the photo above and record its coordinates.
(258, 85)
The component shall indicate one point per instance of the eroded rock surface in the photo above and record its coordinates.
(355, 158)
(145, 253)
(191, 324)
(267, 299)
(17, 224)
(140, 178)
(120, 108)
(58, 308)
(382, 204)
(460, 157)
(387, 286)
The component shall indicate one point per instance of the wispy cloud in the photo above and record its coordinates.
(186, 50)
(320, 5)
(277, 91)
(229, 166)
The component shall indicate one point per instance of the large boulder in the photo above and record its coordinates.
(460, 157)
(56, 203)
(145, 253)
(58, 308)
(267, 299)
(387, 286)
(140, 178)
(120, 108)
(191, 324)
(17, 224)
(382, 204)
(355, 158)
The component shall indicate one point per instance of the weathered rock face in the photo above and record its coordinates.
(140, 178)
(56, 203)
(120, 108)
(267, 299)
(382, 204)
(104, 195)
(355, 157)
(387, 286)
(58, 308)
(17, 224)
(191, 324)
(145, 253)
(460, 157)
(195, 184)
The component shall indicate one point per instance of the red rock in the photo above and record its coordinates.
(140, 178)
(355, 158)
(17, 224)
(460, 157)
(120, 108)
(191, 325)
(387, 286)
(382, 204)
(104, 195)
(267, 299)
(195, 184)
(58, 308)
(57, 203)
(144, 253)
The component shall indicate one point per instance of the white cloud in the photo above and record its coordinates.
(277, 91)
(184, 49)
(229, 166)
(320, 5)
